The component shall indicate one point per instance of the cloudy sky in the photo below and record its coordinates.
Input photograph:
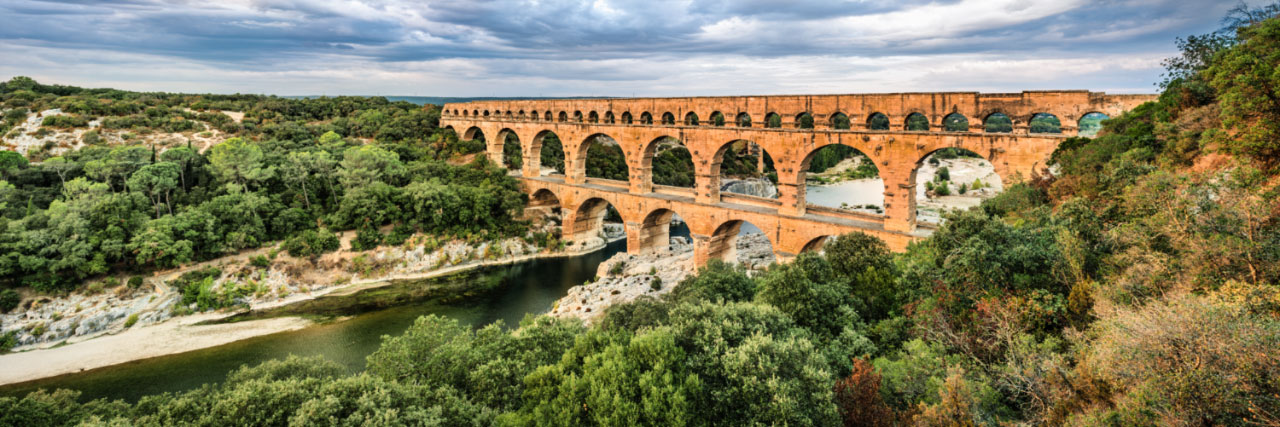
(601, 47)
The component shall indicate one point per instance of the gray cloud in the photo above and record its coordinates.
(559, 47)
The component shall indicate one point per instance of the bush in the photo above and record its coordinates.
(656, 283)
(65, 121)
(399, 234)
(311, 243)
(367, 238)
(260, 261)
(9, 300)
(944, 174)
(133, 319)
(135, 282)
(942, 189)
(617, 268)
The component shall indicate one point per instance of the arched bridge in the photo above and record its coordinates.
(896, 131)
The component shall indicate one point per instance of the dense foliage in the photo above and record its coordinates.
(296, 168)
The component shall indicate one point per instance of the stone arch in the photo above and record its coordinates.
(544, 203)
(475, 113)
(816, 244)
(466, 113)
(512, 156)
(626, 118)
(804, 120)
(743, 120)
(955, 122)
(878, 121)
(857, 188)
(608, 117)
(577, 116)
(587, 220)
(486, 113)
(533, 115)
(1044, 123)
(927, 177)
(609, 161)
(742, 158)
(668, 118)
(716, 119)
(691, 119)
(839, 121)
(722, 243)
(546, 145)
(510, 115)
(997, 122)
(772, 120)
(674, 157)
(593, 117)
(916, 122)
(1090, 123)
(646, 118)
(564, 116)
(547, 116)
(654, 233)
(472, 133)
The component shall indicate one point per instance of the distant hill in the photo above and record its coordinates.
(441, 100)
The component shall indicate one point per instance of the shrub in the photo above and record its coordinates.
(656, 284)
(944, 174)
(311, 243)
(65, 121)
(367, 238)
(617, 268)
(8, 341)
(9, 300)
(942, 189)
(135, 282)
(260, 261)
(964, 188)
(133, 319)
(399, 234)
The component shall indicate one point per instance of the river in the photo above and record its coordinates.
(506, 293)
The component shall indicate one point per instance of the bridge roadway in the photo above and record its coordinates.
(791, 224)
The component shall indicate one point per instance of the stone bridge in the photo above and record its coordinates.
(708, 126)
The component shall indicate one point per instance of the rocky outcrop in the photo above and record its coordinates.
(758, 187)
(625, 277)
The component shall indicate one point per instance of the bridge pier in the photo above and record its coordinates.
(899, 200)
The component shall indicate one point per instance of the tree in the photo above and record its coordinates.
(364, 165)
(239, 161)
(157, 181)
(1249, 92)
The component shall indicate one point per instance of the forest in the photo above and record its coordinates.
(1136, 286)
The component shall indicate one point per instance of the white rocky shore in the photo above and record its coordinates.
(625, 277)
(110, 306)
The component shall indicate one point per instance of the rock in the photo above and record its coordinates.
(758, 187)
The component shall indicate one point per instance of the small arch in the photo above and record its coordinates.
(917, 122)
(657, 228)
(816, 244)
(743, 120)
(608, 117)
(997, 122)
(670, 162)
(550, 160)
(593, 117)
(626, 118)
(521, 114)
(772, 120)
(465, 113)
(486, 113)
(533, 115)
(717, 118)
(510, 114)
(646, 118)
(564, 116)
(744, 167)
(602, 158)
(725, 244)
(1091, 123)
(577, 116)
(691, 119)
(475, 113)
(1045, 123)
(840, 121)
(878, 121)
(668, 118)
(590, 219)
(804, 120)
(955, 122)
(547, 116)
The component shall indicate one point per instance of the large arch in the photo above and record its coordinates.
(816, 244)
(601, 156)
(952, 178)
(473, 133)
(748, 165)
(587, 221)
(544, 204)
(839, 176)
(1091, 123)
(723, 242)
(654, 232)
(512, 156)
(546, 154)
(668, 162)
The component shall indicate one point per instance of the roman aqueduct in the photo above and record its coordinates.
(708, 126)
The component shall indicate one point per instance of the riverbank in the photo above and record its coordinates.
(199, 331)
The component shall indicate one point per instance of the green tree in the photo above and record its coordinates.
(240, 161)
(157, 181)
(1249, 92)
